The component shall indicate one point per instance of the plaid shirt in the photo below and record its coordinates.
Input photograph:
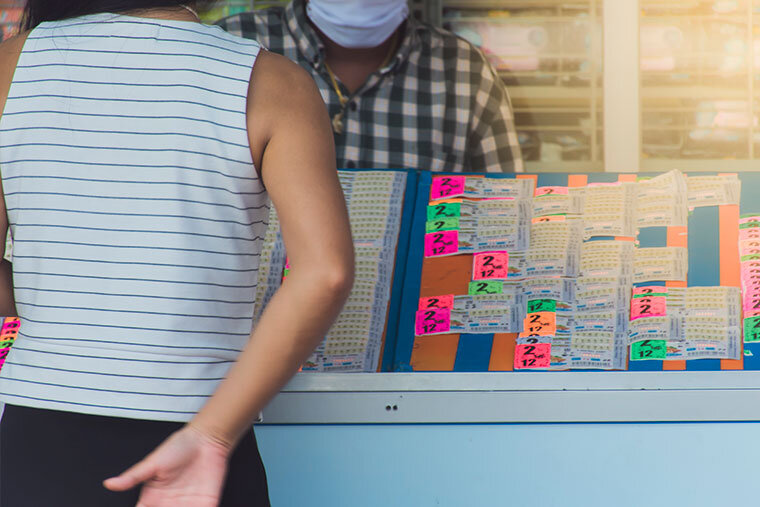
(438, 104)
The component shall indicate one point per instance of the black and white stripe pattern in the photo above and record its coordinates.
(136, 213)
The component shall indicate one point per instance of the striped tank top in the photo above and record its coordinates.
(136, 212)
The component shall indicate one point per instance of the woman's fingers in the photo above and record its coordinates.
(136, 474)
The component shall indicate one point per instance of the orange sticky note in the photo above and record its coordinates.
(540, 324)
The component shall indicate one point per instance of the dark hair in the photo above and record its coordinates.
(38, 11)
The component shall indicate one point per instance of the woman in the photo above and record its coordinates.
(138, 148)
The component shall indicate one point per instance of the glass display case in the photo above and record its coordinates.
(549, 54)
(699, 67)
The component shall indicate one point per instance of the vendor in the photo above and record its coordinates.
(400, 93)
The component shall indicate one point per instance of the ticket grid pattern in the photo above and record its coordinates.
(685, 312)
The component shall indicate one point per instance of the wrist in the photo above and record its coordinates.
(212, 436)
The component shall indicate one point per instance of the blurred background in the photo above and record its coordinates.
(699, 75)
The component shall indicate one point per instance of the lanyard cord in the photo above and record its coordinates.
(337, 120)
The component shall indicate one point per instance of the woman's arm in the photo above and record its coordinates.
(298, 168)
(291, 141)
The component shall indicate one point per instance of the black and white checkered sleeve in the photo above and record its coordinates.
(492, 141)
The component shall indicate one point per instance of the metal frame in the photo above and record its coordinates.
(508, 397)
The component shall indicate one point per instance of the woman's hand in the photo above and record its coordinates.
(188, 469)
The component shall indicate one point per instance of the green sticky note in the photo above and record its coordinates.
(651, 295)
(542, 305)
(481, 287)
(285, 272)
(747, 352)
(442, 224)
(749, 225)
(752, 329)
(649, 349)
(6, 344)
(443, 210)
(753, 257)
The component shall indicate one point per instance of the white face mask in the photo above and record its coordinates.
(357, 23)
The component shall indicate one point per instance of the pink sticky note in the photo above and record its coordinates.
(490, 266)
(745, 220)
(3, 355)
(433, 321)
(751, 305)
(649, 289)
(446, 186)
(11, 322)
(648, 307)
(551, 191)
(536, 355)
(752, 233)
(441, 243)
(287, 263)
(446, 301)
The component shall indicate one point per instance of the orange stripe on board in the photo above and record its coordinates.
(577, 180)
(434, 353)
(627, 177)
(728, 225)
(677, 236)
(503, 352)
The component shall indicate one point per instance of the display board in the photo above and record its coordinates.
(380, 205)
(703, 298)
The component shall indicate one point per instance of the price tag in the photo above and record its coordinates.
(749, 233)
(540, 191)
(490, 266)
(433, 321)
(649, 349)
(482, 287)
(3, 355)
(11, 323)
(653, 306)
(446, 301)
(441, 243)
(444, 210)
(542, 305)
(443, 224)
(446, 186)
(540, 324)
(751, 304)
(752, 330)
(533, 356)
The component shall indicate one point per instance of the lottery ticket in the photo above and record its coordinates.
(517, 188)
(608, 210)
(713, 190)
(661, 201)
(554, 249)
(667, 327)
(374, 203)
(606, 258)
(557, 200)
(660, 263)
(549, 288)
